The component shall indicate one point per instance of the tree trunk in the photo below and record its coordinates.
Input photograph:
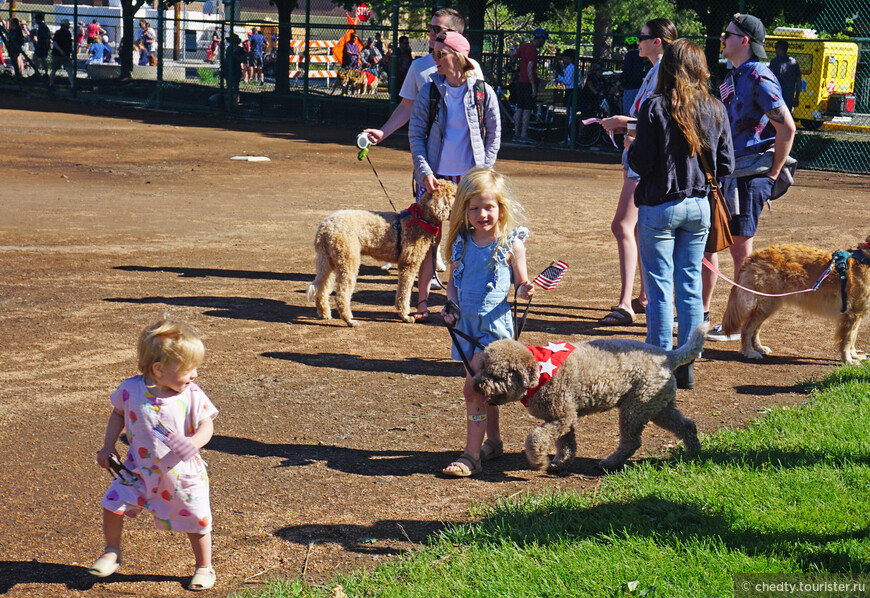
(476, 25)
(601, 44)
(128, 35)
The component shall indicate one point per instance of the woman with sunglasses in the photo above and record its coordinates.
(652, 41)
(677, 123)
(448, 143)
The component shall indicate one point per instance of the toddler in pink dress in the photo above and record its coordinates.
(167, 418)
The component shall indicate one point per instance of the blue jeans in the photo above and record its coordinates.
(671, 237)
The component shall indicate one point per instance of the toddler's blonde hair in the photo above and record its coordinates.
(475, 182)
(167, 341)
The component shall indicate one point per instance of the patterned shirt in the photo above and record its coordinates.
(756, 91)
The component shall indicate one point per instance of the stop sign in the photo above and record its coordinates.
(363, 12)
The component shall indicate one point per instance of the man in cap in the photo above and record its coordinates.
(527, 84)
(762, 130)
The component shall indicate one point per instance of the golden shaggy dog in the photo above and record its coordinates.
(597, 376)
(344, 236)
(791, 267)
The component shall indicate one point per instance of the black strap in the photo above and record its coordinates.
(479, 96)
(379, 181)
(398, 226)
(454, 310)
(519, 324)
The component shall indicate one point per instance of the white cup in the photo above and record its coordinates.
(632, 128)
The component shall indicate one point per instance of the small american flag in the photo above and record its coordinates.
(550, 277)
(726, 89)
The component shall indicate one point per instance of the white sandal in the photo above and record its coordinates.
(202, 581)
(104, 566)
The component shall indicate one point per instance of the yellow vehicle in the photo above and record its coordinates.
(827, 75)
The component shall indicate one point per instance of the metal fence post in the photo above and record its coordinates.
(394, 58)
(75, 57)
(572, 115)
(307, 60)
(161, 34)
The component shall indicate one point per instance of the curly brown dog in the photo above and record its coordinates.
(791, 267)
(344, 236)
(597, 376)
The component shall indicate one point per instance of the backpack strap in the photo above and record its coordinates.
(434, 105)
(480, 104)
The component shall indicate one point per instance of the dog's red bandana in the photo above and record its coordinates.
(550, 359)
(416, 214)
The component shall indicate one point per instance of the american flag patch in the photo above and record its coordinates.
(726, 90)
(550, 277)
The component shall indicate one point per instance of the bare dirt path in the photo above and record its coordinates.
(327, 435)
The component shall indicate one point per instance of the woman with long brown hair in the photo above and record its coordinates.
(654, 37)
(677, 123)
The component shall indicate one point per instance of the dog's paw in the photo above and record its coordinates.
(406, 318)
(536, 462)
(558, 469)
(352, 323)
(753, 354)
(611, 464)
(763, 349)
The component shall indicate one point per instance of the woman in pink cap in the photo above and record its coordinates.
(455, 126)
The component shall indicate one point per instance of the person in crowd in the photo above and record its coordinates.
(443, 20)
(760, 120)
(211, 51)
(592, 90)
(404, 58)
(41, 36)
(168, 419)
(654, 38)
(17, 36)
(631, 77)
(351, 57)
(679, 121)
(379, 43)
(463, 134)
(97, 52)
(488, 254)
(786, 70)
(527, 84)
(94, 31)
(3, 60)
(62, 54)
(565, 76)
(370, 57)
(255, 56)
(146, 41)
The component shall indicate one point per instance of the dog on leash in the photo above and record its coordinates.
(792, 267)
(344, 236)
(597, 375)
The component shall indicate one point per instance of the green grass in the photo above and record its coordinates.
(788, 494)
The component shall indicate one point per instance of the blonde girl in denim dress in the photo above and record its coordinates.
(488, 255)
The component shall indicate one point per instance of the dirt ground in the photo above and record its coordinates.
(329, 439)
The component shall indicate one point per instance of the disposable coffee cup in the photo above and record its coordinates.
(632, 128)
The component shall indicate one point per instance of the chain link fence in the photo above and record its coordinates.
(226, 57)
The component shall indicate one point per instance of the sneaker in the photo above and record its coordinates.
(717, 335)
(386, 266)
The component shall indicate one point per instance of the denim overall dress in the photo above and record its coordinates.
(483, 278)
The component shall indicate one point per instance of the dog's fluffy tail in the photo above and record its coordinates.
(691, 348)
(740, 305)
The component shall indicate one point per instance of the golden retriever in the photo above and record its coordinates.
(792, 267)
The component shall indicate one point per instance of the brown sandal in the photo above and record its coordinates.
(464, 471)
(618, 317)
(497, 450)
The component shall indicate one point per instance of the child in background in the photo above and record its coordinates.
(168, 418)
(488, 255)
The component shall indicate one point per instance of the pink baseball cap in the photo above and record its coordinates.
(456, 42)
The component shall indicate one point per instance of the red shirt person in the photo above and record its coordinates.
(527, 84)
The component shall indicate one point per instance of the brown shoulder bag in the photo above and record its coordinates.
(720, 233)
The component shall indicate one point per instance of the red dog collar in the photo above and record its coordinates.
(550, 359)
(416, 214)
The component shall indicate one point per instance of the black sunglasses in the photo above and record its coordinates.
(726, 33)
(643, 37)
(437, 29)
